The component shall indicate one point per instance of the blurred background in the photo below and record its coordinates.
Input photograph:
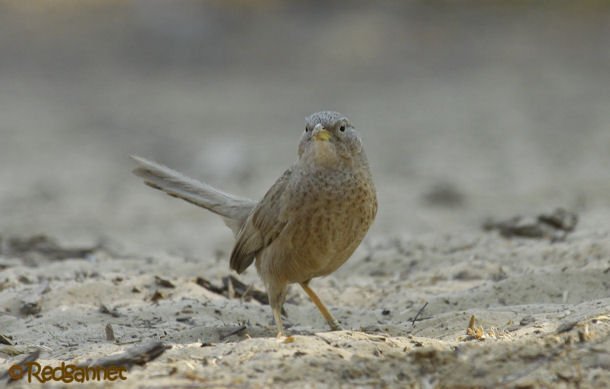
(468, 109)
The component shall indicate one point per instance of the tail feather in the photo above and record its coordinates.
(234, 210)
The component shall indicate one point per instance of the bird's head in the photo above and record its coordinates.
(329, 138)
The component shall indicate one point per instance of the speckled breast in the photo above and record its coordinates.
(332, 213)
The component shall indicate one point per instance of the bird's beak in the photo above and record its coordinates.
(321, 134)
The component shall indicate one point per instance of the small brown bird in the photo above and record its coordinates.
(308, 223)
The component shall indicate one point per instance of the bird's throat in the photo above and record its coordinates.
(324, 153)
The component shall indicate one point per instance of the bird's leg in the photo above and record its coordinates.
(334, 324)
(277, 316)
(277, 294)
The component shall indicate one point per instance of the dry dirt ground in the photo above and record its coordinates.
(466, 112)
(540, 308)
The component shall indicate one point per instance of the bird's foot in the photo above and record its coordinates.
(282, 338)
(335, 326)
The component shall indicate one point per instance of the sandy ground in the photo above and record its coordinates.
(541, 310)
(508, 116)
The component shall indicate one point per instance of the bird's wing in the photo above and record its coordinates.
(262, 226)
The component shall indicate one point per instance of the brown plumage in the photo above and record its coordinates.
(308, 223)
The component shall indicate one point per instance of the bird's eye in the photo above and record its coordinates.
(342, 128)
(306, 129)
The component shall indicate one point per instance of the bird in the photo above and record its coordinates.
(307, 224)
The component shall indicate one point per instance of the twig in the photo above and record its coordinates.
(5, 340)
(237, 331)
(112, 312)
(164, 283)
(232, 288)
(137, 355)
(28, 358)
(109, 333)
(209, 286)
(418, 314)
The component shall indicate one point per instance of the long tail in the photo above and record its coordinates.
(234, 210)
